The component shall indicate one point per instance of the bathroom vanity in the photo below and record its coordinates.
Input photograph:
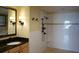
(8, 28)
(14, 45)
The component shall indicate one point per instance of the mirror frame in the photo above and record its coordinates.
(6, 7)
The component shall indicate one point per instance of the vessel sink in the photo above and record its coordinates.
(13, 43)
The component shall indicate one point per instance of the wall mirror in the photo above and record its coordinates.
(8, 18)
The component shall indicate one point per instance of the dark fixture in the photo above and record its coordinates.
(45, 17)
(44, 33)
(13, 22)
(43, 28)
(33, 18)
(36, 19)
(22, 23)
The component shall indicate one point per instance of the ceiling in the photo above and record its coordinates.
(52, 9)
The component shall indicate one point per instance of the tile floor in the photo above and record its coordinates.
(55, 50)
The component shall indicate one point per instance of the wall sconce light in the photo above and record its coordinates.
(13, 22)
(21, 18)
(22, 23)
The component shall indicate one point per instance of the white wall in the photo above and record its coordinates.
(58, 36)
(35, 43)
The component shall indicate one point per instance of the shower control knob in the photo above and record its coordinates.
(43, 28)
(44, 33)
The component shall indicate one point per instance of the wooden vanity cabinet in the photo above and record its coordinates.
(15, 50)
(24, 48)
(19, 49)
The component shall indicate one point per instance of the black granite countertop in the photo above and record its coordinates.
(3, 43)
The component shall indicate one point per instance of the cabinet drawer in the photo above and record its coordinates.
(24, 50)
(14, 50)
(24, 46)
